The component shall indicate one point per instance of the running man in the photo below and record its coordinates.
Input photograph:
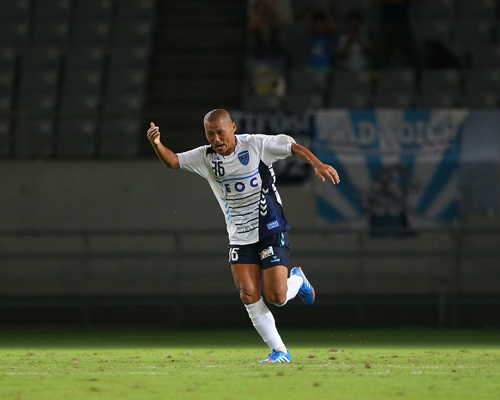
(240, 173)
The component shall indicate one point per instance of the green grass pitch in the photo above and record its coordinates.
(223, 364)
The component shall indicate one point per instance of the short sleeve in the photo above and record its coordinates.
(194, 160)
(276, 147)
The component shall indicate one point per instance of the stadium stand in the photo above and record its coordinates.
(58, 59)
(456, 38)
(63, 59)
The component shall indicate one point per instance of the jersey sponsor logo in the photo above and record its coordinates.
(244, 157)
(272, 225)
(240, 186)
(267, 252)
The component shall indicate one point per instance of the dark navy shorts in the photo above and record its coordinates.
(269, 252)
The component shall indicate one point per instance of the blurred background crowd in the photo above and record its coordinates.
(103, 68)
(372, 53)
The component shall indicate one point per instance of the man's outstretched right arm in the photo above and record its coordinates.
(166, 156)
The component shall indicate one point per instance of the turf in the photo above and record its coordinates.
(223, 364)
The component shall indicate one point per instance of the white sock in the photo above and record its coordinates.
(294, 283)
(264, 323)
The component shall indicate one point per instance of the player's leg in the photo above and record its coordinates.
(247, 280)
(274, 258)
(278, 287)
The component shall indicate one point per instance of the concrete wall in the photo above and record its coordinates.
(118, 195)
(144, 195)
(177, 274)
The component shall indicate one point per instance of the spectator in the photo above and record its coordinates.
(321, 27)
(395, 34)
(268, 78)
(267, 64)
(354, 50)
(267, 31)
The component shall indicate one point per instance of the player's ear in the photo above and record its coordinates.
(234, 127)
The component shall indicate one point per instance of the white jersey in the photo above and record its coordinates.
(244, 184)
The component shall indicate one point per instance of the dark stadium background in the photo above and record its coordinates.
(94, 231)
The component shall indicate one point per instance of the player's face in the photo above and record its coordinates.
(220, 134)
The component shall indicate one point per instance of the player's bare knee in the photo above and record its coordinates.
(249, 296)
(276, 298)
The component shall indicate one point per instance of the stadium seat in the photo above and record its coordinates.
(8, 56)
(298, 48)
(350, 100)
(440, 30)
(15, 10)
(53, 10)
(299, 102)
(95, 32)
(308, 82)
(476, 9)
(472, 32)
(14, 33)
(82, 82)
(76, 138)
(143, 9)
(482, 81)
(346, 82)
(78, 105)
(402, 80)
(441, 81)
(33, 137)
(301, 6)
(437, 100)
(484, 55)
(36, 105)
(132, 31)
(119, 138)
(41, 82)
(261, 102)
(5, 137)
(47, 58)
(85, 57)
(91, 9)
(5, 103)
(393, 100)
(122, 106)
(128, 58)
(51, 32)
(342, 8)
(435, 9)
(127, 82)
(480, 100)
(6, 81)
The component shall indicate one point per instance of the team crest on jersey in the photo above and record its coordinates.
(244, 157)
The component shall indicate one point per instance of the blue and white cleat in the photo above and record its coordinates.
(306, 291)
(278, 357)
